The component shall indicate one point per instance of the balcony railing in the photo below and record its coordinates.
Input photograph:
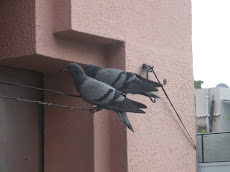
(213, 147)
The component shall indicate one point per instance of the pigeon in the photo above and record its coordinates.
(126, 82)
(102, 95)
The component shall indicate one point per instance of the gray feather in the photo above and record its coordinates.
(124, 117)
(113, 77)
(96, 93)
(125, 82)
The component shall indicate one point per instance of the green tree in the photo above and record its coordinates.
(198, 84)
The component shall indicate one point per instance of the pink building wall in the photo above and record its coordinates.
(45, 35)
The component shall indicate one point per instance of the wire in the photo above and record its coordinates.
(150, 69)
(46, 103)
(36, 88)
(146, 68)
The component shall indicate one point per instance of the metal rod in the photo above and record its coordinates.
(202, 147)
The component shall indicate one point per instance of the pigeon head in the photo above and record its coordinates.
(75, 69)
(91, 70)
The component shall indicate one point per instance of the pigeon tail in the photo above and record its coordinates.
(139, 85)
(152, 83)
(124, 117)
(136, 104)
(126, 106)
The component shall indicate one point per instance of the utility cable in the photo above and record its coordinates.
(41, 102)
(36, 88)
(46, 103)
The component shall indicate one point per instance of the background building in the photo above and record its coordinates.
(219, 120)
(213, 121)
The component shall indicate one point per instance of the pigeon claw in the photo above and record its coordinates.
(152, 100)
(96, 109)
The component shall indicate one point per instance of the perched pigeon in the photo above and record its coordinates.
(102, 95)
(125, 82)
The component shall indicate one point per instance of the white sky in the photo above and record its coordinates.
(211, 41)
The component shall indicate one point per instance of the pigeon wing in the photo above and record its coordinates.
(112, 77)
(103, 95)
(135, 84)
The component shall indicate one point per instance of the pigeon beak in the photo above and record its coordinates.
(65, 70)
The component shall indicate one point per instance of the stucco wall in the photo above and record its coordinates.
(160, 35)
(17, 28)
(122, 34)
